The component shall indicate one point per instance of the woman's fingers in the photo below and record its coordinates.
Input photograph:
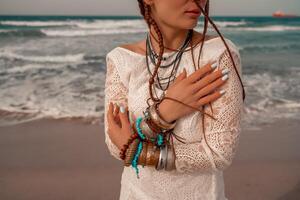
(116, 114)
(180, 77)
(209, 78)
(198, 74)
(111, 118)
(211, 87)
(124, 118)
(210, 98)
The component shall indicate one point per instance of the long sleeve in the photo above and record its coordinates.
(217, 151)
(115, 92)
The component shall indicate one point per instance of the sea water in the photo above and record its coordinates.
(54, 66)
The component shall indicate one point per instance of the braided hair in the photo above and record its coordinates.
(145, 11)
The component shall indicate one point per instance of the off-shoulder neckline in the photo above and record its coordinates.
(165, 53)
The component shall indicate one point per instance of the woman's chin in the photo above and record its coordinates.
(191, 24)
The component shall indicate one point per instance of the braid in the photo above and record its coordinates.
(145, 12)
(151, 22)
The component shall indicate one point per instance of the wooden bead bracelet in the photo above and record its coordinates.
(125, 146)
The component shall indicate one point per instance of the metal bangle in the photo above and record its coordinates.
(159, 166)
(158, 120)
(171, 125)
(162, 158)
(146, 129)
(166, 160)
(170, 165)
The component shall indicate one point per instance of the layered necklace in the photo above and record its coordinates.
(162, 83)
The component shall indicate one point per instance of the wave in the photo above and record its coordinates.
(96, 24)
(31, 67)
(271, 97)
(84, 24)
(22, 33)
(74, 33)
(38, 23)
(273, 28)
(51, 59)
(231, 23)
(269, 47)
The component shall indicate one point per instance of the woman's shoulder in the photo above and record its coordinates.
(131, 49)
(216, 47)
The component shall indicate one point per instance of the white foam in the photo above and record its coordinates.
(80, 32)
(230, 23)
(273, 28)
(39, 23)
(111, 24)
(31, 67)
(53, 59)
(85, 24)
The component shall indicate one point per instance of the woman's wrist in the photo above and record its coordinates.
(164, 112)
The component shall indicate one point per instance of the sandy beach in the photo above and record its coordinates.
(59, 159)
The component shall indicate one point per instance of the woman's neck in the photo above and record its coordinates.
(172, 38)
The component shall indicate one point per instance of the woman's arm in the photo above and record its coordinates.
(115, 92)
(221, 135)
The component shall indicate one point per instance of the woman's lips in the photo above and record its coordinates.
(193, 14)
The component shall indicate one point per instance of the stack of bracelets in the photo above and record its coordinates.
(148, 145)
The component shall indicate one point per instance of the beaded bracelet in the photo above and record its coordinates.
(125, 146)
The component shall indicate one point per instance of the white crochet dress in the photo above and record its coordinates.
(199, 170)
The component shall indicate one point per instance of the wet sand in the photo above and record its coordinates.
(59, 159)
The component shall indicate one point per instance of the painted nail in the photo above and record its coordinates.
(214, 65)
(122, 109)
(225, 71)
(225, 77)
(222, 91)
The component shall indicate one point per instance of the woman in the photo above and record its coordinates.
(198, 104)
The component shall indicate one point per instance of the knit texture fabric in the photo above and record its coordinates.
(201, 161)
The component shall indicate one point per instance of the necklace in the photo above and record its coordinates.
(154, 56)
(163, 85)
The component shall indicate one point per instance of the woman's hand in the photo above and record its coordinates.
(196, 90)
(119, 127)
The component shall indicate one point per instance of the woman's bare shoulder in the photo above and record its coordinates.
(139, 46)
(136, 47)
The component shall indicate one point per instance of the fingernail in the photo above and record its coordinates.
(225, 71)
(214, 65)
(222, 91)
(130, 117)
(225, 77)
(122, 109)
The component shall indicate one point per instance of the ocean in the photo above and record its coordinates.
(54, 66)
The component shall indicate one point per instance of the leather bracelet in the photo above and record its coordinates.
(142, 157)
(153, 126)
(122, 152)
(130, 152)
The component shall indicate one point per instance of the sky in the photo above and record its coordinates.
(130, 7)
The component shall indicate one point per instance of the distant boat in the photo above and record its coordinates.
(281, 14)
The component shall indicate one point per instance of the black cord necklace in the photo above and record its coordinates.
(163, 85)
(154, 56)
